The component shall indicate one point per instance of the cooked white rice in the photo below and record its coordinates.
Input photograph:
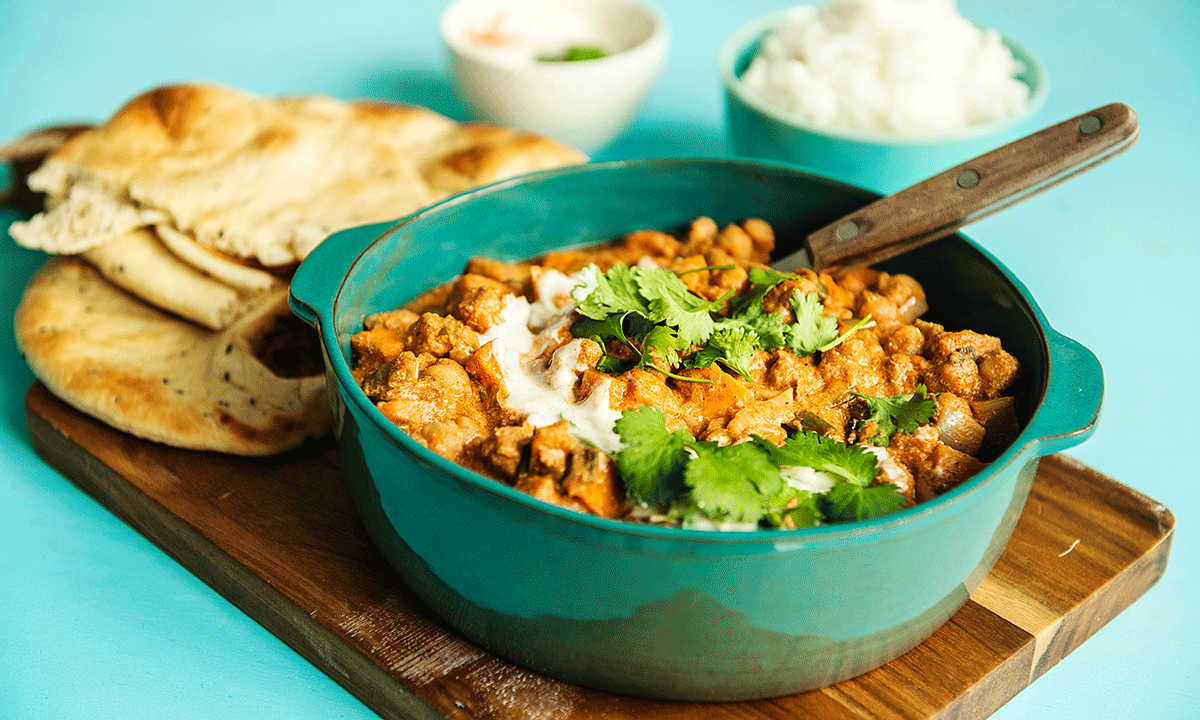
(906, 67)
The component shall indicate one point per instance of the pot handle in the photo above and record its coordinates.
(320, 276)
(1071, 407)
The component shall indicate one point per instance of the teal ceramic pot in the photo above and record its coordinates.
(660, 612)
(881, 162)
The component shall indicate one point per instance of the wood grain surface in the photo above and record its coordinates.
(280, 539)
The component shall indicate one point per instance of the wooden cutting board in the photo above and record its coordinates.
(280, 539)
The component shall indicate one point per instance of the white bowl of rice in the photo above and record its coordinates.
(878, 93)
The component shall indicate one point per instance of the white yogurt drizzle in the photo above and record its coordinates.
(889, 469)
(544, 392)
(807, 479)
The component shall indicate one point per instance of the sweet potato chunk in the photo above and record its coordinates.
(477, 301)
(442, 336)
(944, 469)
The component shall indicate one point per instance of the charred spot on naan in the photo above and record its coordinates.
(287, 346)
(162, 378)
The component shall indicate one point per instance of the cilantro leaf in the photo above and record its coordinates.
(671, 302)
(761, 282)
(732, 482)
(808, 449)
(706, 268)
(769, 327)
(864, 322)
(791, 508)
(576, 53)
(899, 413)
(767, 277)
(611, 327)
(608, 327)
(733, 347)
(850, 502)
(813, 328)
(666, 342)
(649, 310)
(652, 461)
(806, 513)
(598, 294)
(614, 365)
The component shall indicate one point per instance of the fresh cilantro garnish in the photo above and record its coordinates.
(768, 278)
(813, 328)
(742, 483)
(577, 53)
(808, 449)
(608, 327)
(648, 310)
(647, 317)
(600, 331)
(671, 302)
(633, 306)
(862, 322)
(852, 497)
(652, 461)
(652, 312)
(598, 295)
(664, 341)
(614, 365)
(805, 513)
(706, 268)
(732, 482)
(899, 413)
(761, 282)
(769, 327)
(731, 346)
(850, 502)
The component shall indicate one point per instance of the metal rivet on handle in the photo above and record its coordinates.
(1090, 125)
(846, 231)
(968, 179)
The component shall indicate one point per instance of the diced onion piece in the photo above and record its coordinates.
(960, 431)
(912, 309)
(999, 419)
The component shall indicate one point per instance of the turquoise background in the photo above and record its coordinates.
(99, 623)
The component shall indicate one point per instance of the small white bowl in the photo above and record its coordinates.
(585, 103)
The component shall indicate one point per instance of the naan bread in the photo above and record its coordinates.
(199, 201)
(163, 378)
(140, 263)
(264, 179)
(215, 265)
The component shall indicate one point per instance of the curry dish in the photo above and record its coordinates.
(570, 376)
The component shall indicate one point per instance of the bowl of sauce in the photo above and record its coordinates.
(575, 70)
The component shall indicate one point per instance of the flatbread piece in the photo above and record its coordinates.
(177, 223)
(264, 179)
(162, 378)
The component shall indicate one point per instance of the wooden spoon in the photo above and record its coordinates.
(939, 206)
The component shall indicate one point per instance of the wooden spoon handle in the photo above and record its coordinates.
(937, 207)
